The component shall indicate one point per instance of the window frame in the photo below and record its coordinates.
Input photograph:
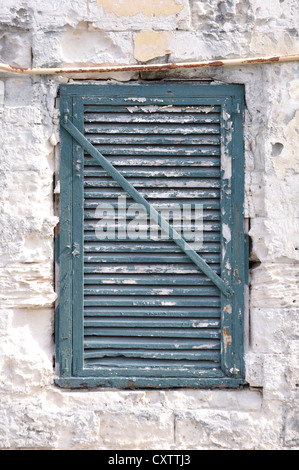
(68, 328)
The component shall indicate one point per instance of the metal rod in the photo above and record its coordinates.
(149, 67)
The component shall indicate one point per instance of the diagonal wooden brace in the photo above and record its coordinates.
(173, 234)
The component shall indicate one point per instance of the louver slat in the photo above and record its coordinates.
(147, 308)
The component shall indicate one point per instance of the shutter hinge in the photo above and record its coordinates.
(75, 251)
(238, 107)
(66, 114)
(234, 370)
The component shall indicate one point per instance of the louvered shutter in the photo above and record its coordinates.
(135, 309)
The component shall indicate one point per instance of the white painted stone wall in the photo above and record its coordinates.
(34, 413)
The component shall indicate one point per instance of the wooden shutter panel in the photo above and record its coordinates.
(143, 314)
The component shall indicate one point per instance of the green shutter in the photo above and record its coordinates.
(141, 309)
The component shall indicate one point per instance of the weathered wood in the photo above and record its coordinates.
(153, 343)
(133, 247)
(151, 182)
(158, 173)
(147, 258)
(162, 354)
(159, 301)
(200, 150)
(153, 312)
(107, 322)
(153, 332)
(154, 194)
(96, 114)
(155, 372)
(155, 279)
(203, 112)
(152, 139)
(145, 314)
(149, 129)
(90, 379)
(149, 291)
(199, 160)
(138, 197)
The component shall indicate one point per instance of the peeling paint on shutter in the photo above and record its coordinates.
(144, 314)
(146, 305)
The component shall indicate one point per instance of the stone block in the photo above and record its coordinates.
(292, 373)
(34, 428)
(2, 88)
(58, 13)
(82, 47)
(254, 369)
(136, 429)
(226, 15)
(15, 48)
(246, 400)
(141, 15)
(151, 44)
(222, 430)
(271, 290)
(270, 328)
(291, 432)
(275, 386)
(96, 47)
(282, 13)
(18, 92)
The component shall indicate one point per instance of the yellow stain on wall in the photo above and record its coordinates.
(145, 7)
(151, 44)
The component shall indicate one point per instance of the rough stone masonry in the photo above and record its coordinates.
(35, 414)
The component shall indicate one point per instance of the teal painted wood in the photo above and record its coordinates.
(239, 278)
(152, 323)
(64, 315)
(226, 233)
(122, 116)
(164, 372)
(203, 311)
(154, 140)
(131, 290)
(153, 344)
(108, 346)
(150, 382)
(156, 302)
(182, 356)
(136, 195)
(138, 115)
(78, 242)
(233, 268)
(149, 128)
(161, 172)
(208, 95)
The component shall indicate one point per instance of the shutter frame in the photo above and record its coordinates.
(69, 316)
